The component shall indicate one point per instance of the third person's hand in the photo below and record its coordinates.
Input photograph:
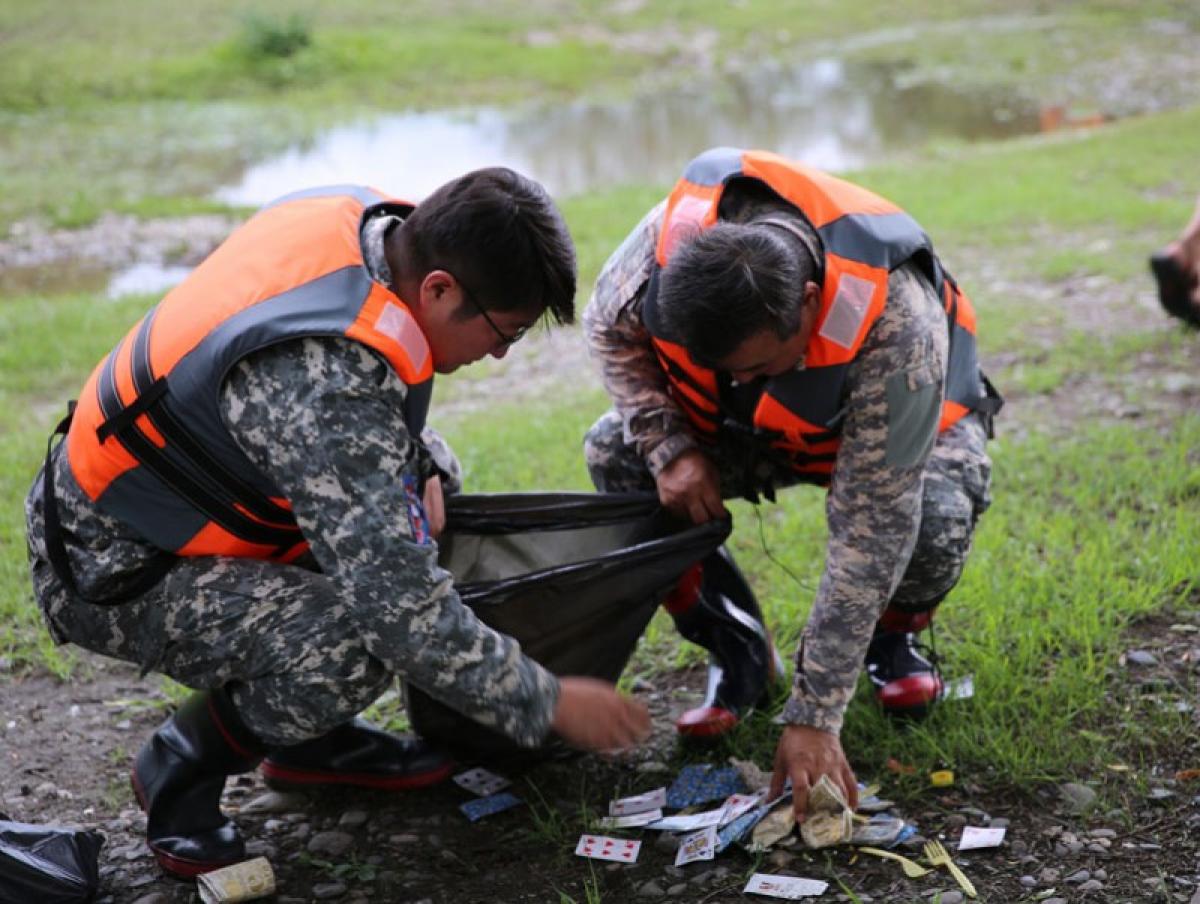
(592, 715)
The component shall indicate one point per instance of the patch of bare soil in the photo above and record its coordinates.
(67, 750)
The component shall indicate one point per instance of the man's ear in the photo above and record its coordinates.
(433, 287)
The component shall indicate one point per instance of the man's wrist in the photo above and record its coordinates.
(667, 451)
(808, 714)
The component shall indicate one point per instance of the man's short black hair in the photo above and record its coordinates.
(729, 283)
(501, 236)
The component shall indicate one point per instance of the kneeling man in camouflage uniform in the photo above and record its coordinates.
(243, 500)
(769, 324)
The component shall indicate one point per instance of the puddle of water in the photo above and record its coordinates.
(830, 113)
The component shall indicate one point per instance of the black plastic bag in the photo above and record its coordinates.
(47, 865)
(575, 577)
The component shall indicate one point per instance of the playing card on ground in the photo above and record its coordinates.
(601, 847)
(790, 888)
(699, 783)
(689, 822)
(481, 782)
(638, 803)
(486, 806)
(700, 845)
(633, 820)
(737, 804)
(974, 837)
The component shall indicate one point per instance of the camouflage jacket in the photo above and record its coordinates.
(874, 503)
(323, 418)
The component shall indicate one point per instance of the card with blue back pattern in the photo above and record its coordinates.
(475, 810)
(700, 783)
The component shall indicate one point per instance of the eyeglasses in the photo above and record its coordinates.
(505, 338)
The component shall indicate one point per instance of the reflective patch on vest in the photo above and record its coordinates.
(416, 510)
(848, 310)
(685, 222)
(399, 325)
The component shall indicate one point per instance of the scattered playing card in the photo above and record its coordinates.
(737, 804)
(633, 820)
(700, 845)
(487, 806)
(639, 803)
(689, 822)
(601, 847)
(701, 783)
(973, 837)
(481, 782)
(737, 829)
(790, 888)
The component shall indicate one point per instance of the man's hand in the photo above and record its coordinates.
(805, 754)
(690, 487)
(435, 506)
(591, 715)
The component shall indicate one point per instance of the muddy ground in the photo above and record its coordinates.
(66, 747)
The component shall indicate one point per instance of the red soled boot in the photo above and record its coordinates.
(907, 683)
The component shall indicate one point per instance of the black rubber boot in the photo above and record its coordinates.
(714, 607)
(178, 777)
(906, 682)
(357, 754)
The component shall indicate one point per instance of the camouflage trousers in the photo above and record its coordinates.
(280, 637)
(956, 491)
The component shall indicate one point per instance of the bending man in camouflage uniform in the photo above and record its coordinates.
(768, 325)
(313, 333)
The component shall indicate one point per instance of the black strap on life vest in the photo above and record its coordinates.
(155, 570)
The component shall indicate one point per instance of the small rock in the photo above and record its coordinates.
(651, 889)
(1076, 877)
(155, 897)
(653, 767)
(998, 822)
(1091, 885)
(352, 818)
(1077, 798)
(1158, 794)
(1055, 901)
(955, 821)
(1028, 882)
(406, 838)
(676, 890)
(952, 897)
(333, 844)
(328, 890)
(1049, 876)
(1140, 657)
(275, 802)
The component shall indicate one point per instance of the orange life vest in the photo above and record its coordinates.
(147, 443)
(865, 237)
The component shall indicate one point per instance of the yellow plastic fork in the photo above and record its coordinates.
(911, 869)
(939, 856)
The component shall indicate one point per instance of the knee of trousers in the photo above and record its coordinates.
(933, 571)
(324, 697)
(614, 465)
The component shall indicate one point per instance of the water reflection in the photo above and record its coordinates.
(829, 113)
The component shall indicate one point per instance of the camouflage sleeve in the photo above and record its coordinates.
(629, 369)
(874, 504)
(322, 418)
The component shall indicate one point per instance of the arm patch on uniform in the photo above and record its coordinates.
(914, 404)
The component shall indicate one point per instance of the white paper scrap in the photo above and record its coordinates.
(974, 837)
(639, 803)
(790, 888)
